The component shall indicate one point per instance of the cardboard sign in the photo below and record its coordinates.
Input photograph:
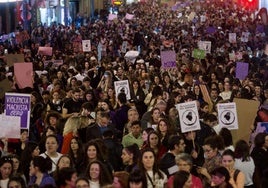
(10, 126)
(198, 54)
(129, 16)
(112, 17)
(86, 45)
(241, 70)
(205, 45)
(45, 51)
(24, 74)
(14, 58)
(18, 104)
(122, 87)
(189, 117)
(227, 115)
(244, 37)
(168, 59)
(232, 37)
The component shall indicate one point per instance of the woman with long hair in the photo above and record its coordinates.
(98, 175)
(220, 178)
(237, 177)
(130, 156)
(182, 179)
(39, 172)
(165, 130)
(244, 162)
(155, 144)
(6, 170)
(76, 153)
(31, 150)
(149, 168)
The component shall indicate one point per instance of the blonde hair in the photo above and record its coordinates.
(74, 123)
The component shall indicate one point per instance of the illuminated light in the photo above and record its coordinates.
(9, 1)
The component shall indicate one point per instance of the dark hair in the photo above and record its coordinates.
(52, 136)
(148, 139)
(80, 151)
(221, 172)
(174, 140)
(155, 165)
(210, 117)
(104, 178)
(134, 149)
(260, 139)
(226, 136)
(242, 150)
(136, 123)
(83, 179)
(137, 176)
(44, 164)
(122, 98)
(215, 142)
(6, 159)
(88, 106)
(180, 178)
(17, 179)
(64, 175)
(229, 152)
(92, 143)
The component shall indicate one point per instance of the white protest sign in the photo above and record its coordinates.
(86, 45)
(244, 37)
(10, 126)
(205, 45)
(124, 47)
(232, 37)
(122, 87)
(227, 115)
(203, 18)
(189, 118)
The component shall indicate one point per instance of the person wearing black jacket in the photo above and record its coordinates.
(167, 163)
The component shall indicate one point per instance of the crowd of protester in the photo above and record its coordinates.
(83, 135)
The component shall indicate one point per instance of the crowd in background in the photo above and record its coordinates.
(83, 135)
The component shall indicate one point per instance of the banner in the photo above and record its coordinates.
(227, 115)
(122, 87)
(18, 104)
(45, 51)
(189, 117)
(241, 70)
(86, 45)
(168, 59)
(24, 74)
(10, 126)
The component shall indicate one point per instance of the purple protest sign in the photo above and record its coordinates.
(168, 59)
(241, 70)
(18, 104)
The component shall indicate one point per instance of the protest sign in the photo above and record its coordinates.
(24, 74)
(45, 51)
(168, 59)
(129, 16)
(189, 118)
(111, 17)
(86, 45)
(124, 47)
(198, 54)
(14, 58)
(122, 87)
(10, 126)
(227, 115)
(246, 111)
(241, 70)
(99, 51)
(205, 45)
(19, 104)
(232, 37)
(244, 37)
